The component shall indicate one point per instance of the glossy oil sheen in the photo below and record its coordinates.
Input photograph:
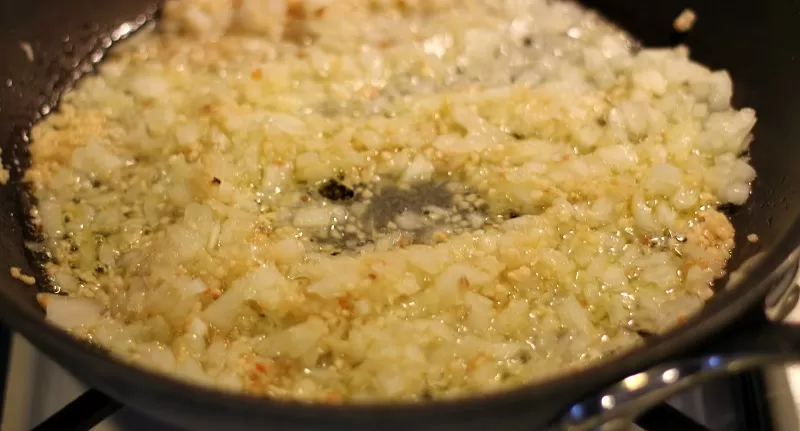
(755, 41)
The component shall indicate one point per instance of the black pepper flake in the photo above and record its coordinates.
(513, 214)
(336, 191)
(100, 269)
(527, 41)
(601, 121)
(335, 253)
(518, 136)
(74, 247)
(216, 181)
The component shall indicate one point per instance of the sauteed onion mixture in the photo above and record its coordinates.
(360, 200)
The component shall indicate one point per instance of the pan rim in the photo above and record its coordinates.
(724, 308)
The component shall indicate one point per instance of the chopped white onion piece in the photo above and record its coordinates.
(69, 312)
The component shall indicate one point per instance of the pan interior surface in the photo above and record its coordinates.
(773, 182)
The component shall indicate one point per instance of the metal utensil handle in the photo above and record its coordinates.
(627, 399)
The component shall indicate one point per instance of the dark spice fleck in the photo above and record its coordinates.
(336, 253)
(601, 121)
(513, 214)
(527, 41)
(67, 218)
(216, 181)
(100, 269)
(74, 247)
(644, 333)
(336, 191)
(325, 359)
(518, 136)
(524, 356)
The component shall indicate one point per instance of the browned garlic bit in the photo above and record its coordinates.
(17, 273)
(685, 21)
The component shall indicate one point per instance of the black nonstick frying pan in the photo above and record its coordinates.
(756, 41)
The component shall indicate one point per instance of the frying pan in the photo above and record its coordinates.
(755, 41)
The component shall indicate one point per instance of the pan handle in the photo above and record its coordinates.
(755, 344)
